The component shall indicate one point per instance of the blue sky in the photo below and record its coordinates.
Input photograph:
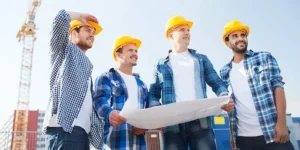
(274, 27)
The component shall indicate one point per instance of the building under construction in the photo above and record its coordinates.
(35, 139)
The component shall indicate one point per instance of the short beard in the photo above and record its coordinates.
(240, 51)
(84, 46)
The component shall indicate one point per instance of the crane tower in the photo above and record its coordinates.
(26, 35)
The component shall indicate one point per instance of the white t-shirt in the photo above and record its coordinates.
(84, 117)
(132, 88)
(182, 65)
(248, 123)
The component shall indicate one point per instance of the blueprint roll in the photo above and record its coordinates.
(172, 114)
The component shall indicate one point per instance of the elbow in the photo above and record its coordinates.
(277, 83)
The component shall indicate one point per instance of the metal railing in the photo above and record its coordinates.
(34, 140)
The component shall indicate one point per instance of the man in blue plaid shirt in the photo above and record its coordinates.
(258, 121)
(115, 88)
(182, 76)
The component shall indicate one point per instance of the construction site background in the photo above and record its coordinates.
(23, 128)
(36, 140)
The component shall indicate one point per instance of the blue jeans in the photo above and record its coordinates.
(191, 136)
(57, 139)
(259, 143)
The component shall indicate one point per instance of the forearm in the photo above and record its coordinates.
(74, 15)
(102, 96)
(104, 110)
(155, 90)
(154, 95)
(213, 79)
(280, 105)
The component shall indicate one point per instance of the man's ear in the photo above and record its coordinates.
(228, 44)
(117, 54)
(74, 33)
(170, 35)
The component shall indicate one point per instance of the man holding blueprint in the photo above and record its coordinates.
(182, 77)
(115, 88)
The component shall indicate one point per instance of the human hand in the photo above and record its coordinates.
(281, 133)
(82, 17)
(228, 107)
(115, 118)
(138, 131)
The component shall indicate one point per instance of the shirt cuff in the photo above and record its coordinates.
(107, 115)
(223, 93)
(154, 103)
(277, 83)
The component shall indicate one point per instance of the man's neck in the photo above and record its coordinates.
(179, 49)
(82, 49)
(125, 69)
(238, 57)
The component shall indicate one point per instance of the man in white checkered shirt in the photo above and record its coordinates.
(71, 122)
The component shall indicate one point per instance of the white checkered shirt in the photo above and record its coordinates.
(70, 71)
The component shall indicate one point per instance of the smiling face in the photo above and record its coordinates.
(128, 54)
(83, 37)
(237, 41)
(180, 35)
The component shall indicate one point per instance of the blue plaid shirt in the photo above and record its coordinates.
(111, 94)
(70, 71)
(263, 77)
(163, 87)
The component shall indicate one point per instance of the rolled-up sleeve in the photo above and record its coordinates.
(275, 73)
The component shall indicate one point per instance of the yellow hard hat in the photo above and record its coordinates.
(76, 23)
(123, 40)
(234, 25)
(176, 21)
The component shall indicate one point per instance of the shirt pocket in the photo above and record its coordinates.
(261, 74)
(116, 88)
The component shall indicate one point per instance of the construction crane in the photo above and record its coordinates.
(26, 35)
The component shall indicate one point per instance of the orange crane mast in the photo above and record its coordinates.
(26, 35)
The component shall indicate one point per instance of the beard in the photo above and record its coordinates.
(235, 48)
(83, 44)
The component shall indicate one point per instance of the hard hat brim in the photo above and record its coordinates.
(96, 26)
(135, 41)
(239, 28)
